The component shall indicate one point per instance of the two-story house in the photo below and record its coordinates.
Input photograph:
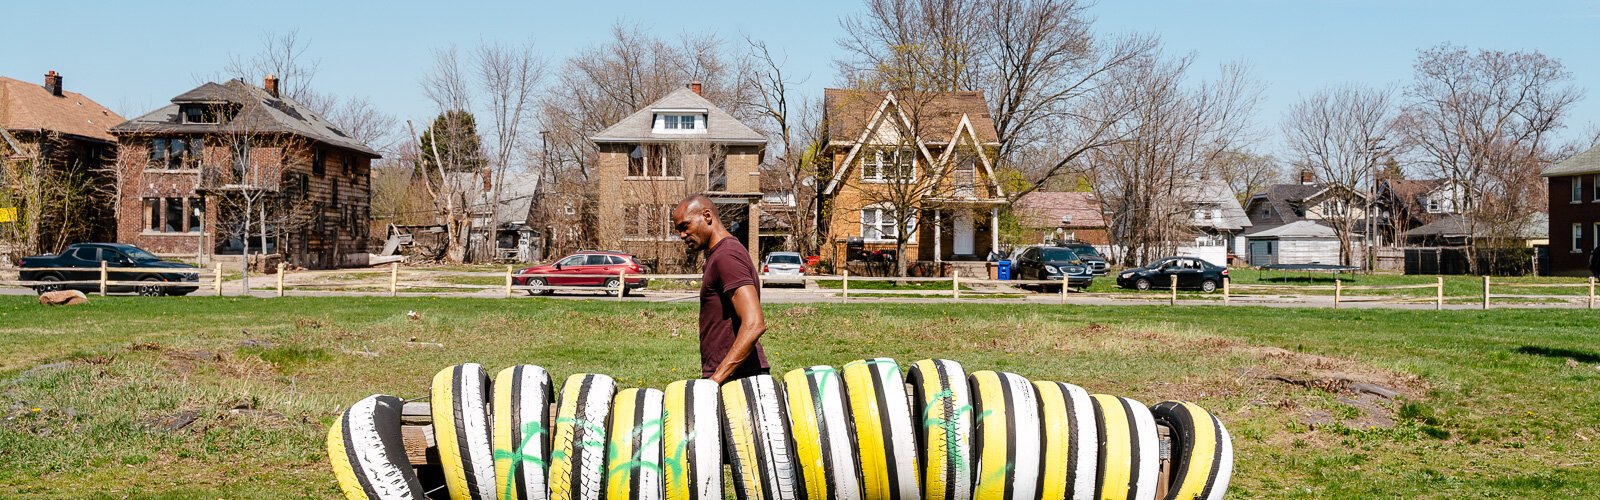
(1574, 212)
(193, 168)
(929, 153)
(677, 146)
(65, 135)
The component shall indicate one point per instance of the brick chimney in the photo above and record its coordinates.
(270, 83)
(695, 86)
(52, 83)
(1308, 177)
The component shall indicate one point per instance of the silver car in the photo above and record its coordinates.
(783, 268)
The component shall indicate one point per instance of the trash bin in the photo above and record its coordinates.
(1003, 271)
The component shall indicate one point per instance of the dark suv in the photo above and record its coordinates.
(1090, 256)
(584, 268)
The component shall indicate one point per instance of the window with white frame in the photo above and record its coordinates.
(1577, 189)
(679, 122)
(1577, 238)
(1596, 186)
(889, 165)
(882, 224)
(1596, 234)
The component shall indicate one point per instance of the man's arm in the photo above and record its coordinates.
(746, 304)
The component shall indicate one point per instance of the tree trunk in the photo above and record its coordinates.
(245, 237)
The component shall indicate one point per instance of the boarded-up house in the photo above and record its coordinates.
(191, 170)
(65, 135)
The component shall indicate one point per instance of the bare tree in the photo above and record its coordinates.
(1246, 173)
(1484, 120)
(1338, 134)
(1171, 136)
(509, 75)
(792, 124)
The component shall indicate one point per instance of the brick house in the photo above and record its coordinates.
(679, 145)
(69, 133)
(1574, 212)
(931, 151)
(190, 169)
(1061, 216)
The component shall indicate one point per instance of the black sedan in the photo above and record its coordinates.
(1052, 263)
(79, 264)
(1192, 273)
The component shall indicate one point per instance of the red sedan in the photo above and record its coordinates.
(585, 268)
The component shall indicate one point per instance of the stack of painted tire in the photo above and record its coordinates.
(864, 431)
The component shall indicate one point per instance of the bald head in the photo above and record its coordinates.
(695, 219)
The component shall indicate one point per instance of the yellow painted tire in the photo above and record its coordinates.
(885, 435)
(367, 453)
(1071, 441)
(1202, 451)
(823, 441)
(691, 441)
(461, 428)
(633, 459)
(758, 440)
(522, 423)
(1128, 449)
(578, 449)
(1006, 436)
(942, 409)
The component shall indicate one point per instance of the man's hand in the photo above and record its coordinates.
(747, 305)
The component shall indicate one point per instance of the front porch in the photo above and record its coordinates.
(959, 230)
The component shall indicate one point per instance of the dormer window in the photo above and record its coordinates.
(679, 121)
(198, 113)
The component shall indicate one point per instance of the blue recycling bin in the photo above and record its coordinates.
(1003, 270)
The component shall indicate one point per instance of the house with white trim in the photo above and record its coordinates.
(931, 153)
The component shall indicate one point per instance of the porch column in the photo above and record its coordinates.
(994, 229)
(938, 236)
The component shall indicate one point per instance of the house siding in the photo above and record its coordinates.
(1564, 213)
(615, 191)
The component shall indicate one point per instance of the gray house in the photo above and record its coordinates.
(1300, 242)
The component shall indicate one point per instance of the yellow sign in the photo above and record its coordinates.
(8, 214)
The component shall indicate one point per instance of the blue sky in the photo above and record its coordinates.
(133, 56)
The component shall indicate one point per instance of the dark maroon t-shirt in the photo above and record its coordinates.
(728, 267)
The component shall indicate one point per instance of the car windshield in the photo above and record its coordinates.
(783, 259)
(1085, 250)
(1057, 255)
(139, 255)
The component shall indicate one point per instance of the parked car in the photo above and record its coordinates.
(1090, 256)
(1192, 273)
(1052, 263)
(783, 268)
(598, 269)
(89, 256)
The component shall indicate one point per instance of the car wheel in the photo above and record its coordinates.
(1142, 285)
(1208, 286)
(48, 287)
(537, 282)
(151, 290)
(611, 286)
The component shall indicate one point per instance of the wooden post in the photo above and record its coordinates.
(847, 283)
(1438, 298)
(103, 276)
(394, 278)
(1225, 290)
(622, 283)
(1064, 290)
(280, 279)
(1591, 292)
(1338, 291)
(955, 284)
(508, 282)
(216, 277)
(1485, 292)
(1174, 300)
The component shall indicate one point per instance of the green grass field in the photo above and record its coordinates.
(1498, 403)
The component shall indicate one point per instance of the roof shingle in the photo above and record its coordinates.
(28, 106)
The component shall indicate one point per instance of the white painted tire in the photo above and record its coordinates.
(691, 441)
(1202, 451)
(885, 435)
(461, 428)
(522, 427)
(1071, 441)
(942, 404)
(824, 444)
(1129, 448)
(368, 454)
(578, 449)
(633, 464)
(1006, 436)
(758, 441)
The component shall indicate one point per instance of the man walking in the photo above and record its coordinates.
(730, 294)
